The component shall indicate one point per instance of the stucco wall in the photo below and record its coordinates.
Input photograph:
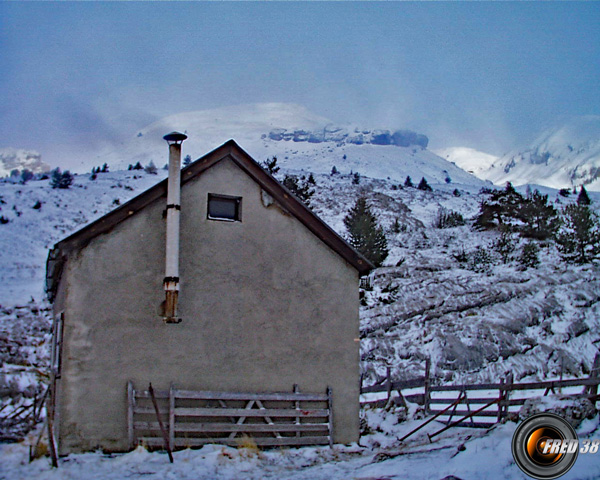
(265, 304)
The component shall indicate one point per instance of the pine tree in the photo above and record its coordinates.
(270, 165)
(529, 256)
(187, 160)
(151, 168)
(61, 179)
(408, 182)
(500, 209)
(423, 185)
(583, 198)
(366, 235)
(299, 188)
(334, 170)
(578, 239)
(26, 175)
(539, 217)
(105, 168)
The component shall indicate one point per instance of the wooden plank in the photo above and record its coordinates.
(160, 423)
(398, 385)
(237, 412)
(475, 425)
(139, 425)
(482, 401)
(330, 408)
(265, 397)
(137, 410)
(427, 386)
(261, 442)
(297, 406)
(235, 428)
(171, 414)
(130, 410)
(243, 418)
(268, 419)
(493, 413)
(158, 394)
(457, 388)
(576, 382)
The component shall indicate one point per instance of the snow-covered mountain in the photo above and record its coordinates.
(299, 139)
(562, 157)
(470, 160)
(18, 159)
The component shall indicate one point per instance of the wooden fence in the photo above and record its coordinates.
(195, 418)
(476, 405)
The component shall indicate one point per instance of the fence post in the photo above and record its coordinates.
(427, 394)
(130, 408)
(509, 383)
(297, 405)
(330, 419)
(595, 372)
(562, 364)
(172, 416)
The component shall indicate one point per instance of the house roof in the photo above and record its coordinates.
(229, 150)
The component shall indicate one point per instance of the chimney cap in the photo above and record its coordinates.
(175, 137)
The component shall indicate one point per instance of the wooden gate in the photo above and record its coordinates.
(195, 418)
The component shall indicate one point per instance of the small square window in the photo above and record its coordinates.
(224, 207)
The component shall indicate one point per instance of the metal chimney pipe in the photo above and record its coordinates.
(171, 281)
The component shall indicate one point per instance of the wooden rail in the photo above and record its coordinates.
(195, 418)
(495, 408)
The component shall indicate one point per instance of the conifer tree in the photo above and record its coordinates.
(578, 239)
(539, 217)
(270, 165)
(583, 198)
(366, 235)
(299, 188)
(500, 209)
(61, 179)
(423, 185)
(408, 182)
(187, 160)
(151, 168)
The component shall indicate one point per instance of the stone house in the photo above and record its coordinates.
(268, 299)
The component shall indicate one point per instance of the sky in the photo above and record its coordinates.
(487, 75)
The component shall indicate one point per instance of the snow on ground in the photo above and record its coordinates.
(476, 320)
(462, 452)
(39, 216)
(469, 159)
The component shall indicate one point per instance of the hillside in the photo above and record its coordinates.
(564, 156)
(299, 139)
(476, 318)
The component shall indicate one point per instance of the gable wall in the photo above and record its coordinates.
(264, 303)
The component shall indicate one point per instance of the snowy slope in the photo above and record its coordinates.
(470, 160)
(31, 231)
(562, 157)
(298, 138)
(475, 324)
